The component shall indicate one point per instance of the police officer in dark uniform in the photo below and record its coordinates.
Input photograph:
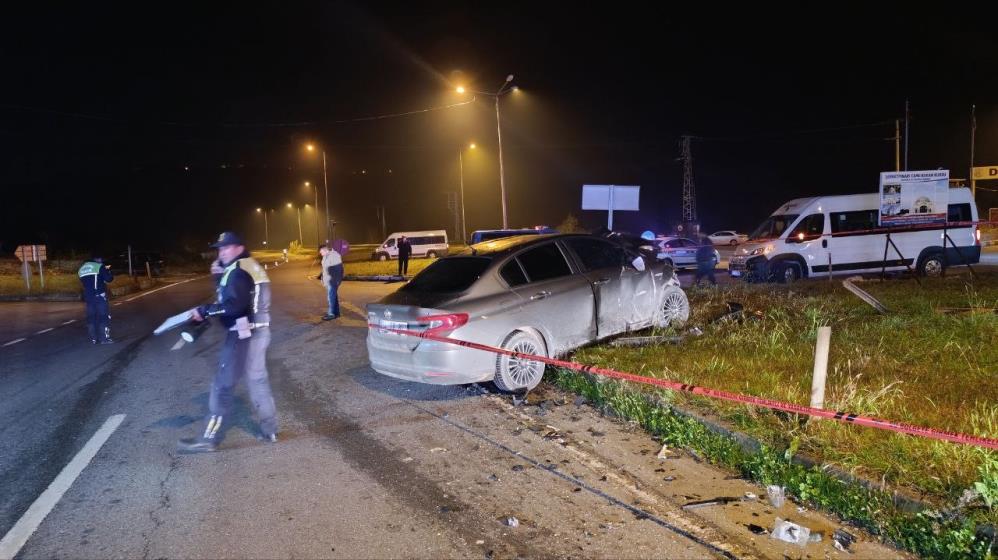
(234, 309)
(94, 276)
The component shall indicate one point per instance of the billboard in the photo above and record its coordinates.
(914, 198)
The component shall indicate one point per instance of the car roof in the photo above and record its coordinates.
(506, 245)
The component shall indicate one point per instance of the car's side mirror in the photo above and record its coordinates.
(638, 263)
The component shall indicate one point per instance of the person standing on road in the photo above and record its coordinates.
(706, 261)
(94, 275)
(332, 275)
(405, 251)
(239, 293)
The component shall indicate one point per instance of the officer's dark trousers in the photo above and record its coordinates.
(98, 318)
(707, 270)
(403, 266)
(231, 368)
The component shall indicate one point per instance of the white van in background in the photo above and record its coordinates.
(831, 234)
(430, 244)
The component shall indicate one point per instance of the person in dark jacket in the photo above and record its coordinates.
(706, 261)
(233, 308)
(405, 251)
(94, 276)
(332, 275)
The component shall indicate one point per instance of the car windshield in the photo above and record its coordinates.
(773, 227)
(447, 276)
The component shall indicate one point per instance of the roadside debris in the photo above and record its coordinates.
(733, 313)
(965, 310)
(512, 522)
(749, 496)
(776, 495)
(788, 531)
(517, 468)
(664, 452)
(843, 539)
(437, 450)
(669, 478)
(865, 297)
(757, 529)
(596, 433)
(719, 501)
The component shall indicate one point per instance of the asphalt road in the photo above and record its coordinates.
(366, 466)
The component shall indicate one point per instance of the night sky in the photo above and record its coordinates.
(160, 127)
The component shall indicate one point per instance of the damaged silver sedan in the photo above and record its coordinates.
(544, 295)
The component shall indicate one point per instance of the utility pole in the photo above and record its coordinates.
(689, 188)
(973, 129)
(907, 129)
(897, 144)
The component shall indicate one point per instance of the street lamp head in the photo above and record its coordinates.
(307, 184)
(289, 205)
(472, 146)
(259, 209)
(460, 89)
(509, 78)
(310, 147)
(516, 88)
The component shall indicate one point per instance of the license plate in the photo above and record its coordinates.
(400, 325)
(735, 273)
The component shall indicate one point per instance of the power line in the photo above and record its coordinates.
(119, 120)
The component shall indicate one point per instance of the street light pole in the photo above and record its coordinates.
(301, 240)
(325, 182)
(316, 189)
(502, 174)
(464, 227)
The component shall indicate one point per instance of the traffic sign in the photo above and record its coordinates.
(31, 253)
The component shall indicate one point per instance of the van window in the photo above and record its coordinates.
(809, 229)
(390, 243)
(773, 227)
(438, 239)
(959, 213)
(845, 222)
(544, 262)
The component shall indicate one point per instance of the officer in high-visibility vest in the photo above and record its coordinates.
(94, 276)
(242, 308)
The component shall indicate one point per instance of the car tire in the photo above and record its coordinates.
(431, 254)
(787, 273)
(733, 242)
(931, 265)
(518, 374)
(382, 257)
(674, 308)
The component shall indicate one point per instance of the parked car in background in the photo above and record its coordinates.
(543, 295)
(727, 237)
(490, 234)
(429, 244)
(680, 252)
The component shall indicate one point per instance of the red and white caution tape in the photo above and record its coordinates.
(840, 416)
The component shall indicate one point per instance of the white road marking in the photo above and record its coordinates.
(119, 303)
(15, 341)
(69, 321)
(144, 294)
(29, 522)
(43, 331)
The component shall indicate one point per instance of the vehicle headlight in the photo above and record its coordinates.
(763, 250)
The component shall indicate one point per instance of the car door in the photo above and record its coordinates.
(613, 283)
(557, 300)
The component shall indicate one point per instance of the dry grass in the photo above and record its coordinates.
(914, 365)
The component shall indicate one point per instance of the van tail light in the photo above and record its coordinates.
(977, 235)
(441, 325)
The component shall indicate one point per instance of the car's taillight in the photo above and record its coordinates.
(977, 236)
(441, 325)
